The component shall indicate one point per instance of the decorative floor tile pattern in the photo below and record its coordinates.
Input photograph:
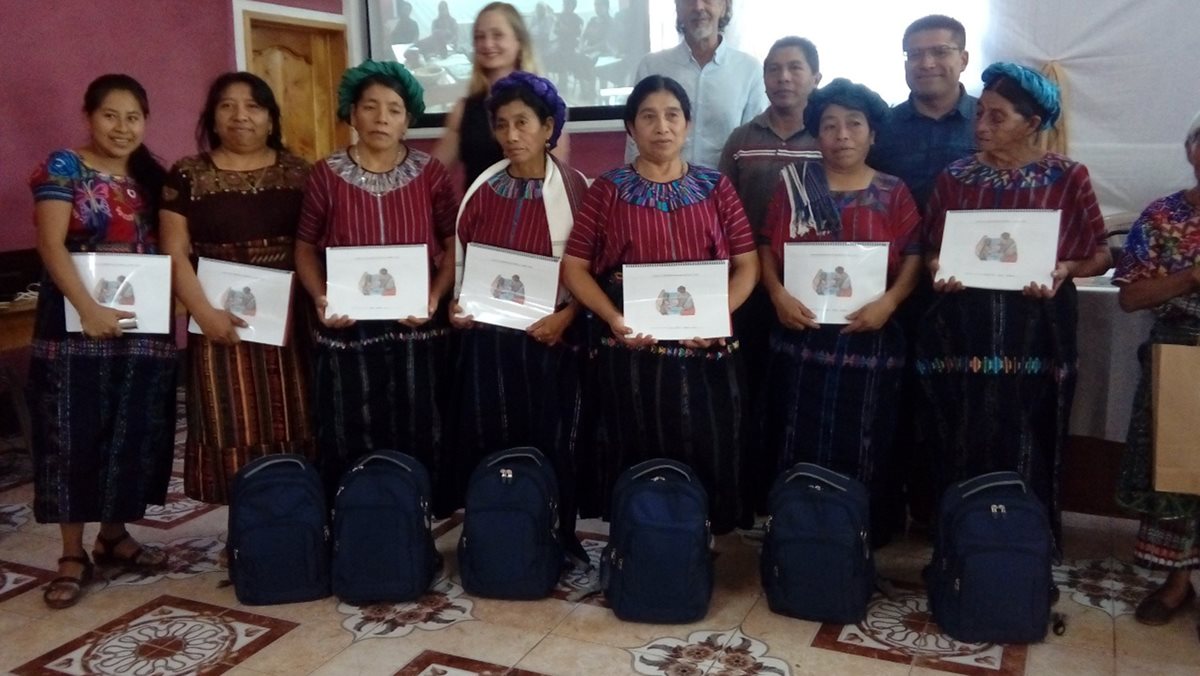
(902, 630)
(186, 557)
(164, 637)
(1109, 584)
(442, 607)
(179, 508)
(12, 517)
(17, 579)
(433, 663)
(720, 653)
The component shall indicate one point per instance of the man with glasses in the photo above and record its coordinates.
(934, 127)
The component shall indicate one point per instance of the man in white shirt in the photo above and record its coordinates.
(725, 86)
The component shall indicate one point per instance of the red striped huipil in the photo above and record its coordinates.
(628, 219)
(345, 205)
(1053, 182)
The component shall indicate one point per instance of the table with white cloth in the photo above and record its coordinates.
(1108, 339)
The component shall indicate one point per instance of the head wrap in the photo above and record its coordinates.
(847, 94)
(541, 88)
(1043, 92)
(410, 90)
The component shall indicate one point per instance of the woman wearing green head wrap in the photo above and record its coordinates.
(999, 366)
(378, 383)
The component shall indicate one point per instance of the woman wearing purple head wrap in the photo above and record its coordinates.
(521, 387)
(999, 366)
(1160, 270)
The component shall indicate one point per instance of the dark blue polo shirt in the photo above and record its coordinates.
(917, 148)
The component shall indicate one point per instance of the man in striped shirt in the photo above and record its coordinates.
(753, 157)
(757, 151)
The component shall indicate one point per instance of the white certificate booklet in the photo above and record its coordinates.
(262, 297)
(507, 288)
(137, 283)
(1001, 249)
(834, 279)
(377, 282)
(677, 301)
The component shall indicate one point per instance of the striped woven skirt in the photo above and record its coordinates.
(668, 401)
(103, 414)
(514, 391)
(247, 400)
(379, 385)
(831, 399)
(998, 370)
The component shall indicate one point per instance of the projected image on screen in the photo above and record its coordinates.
(590, 48)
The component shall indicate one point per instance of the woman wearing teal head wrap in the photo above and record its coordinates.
(378, 383)
(998, 367)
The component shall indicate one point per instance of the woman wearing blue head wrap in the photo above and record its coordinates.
(521, 387)
(999, 366)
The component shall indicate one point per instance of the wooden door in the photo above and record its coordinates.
(303, 61)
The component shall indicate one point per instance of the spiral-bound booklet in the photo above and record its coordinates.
(377, 282)
(262, 297)
(677, 301)
(1000, 249)
(834, 279)
(137, 283)
(507, 288)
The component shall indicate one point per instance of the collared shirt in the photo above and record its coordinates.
(726, 92)
(917, 148)
(753, 157)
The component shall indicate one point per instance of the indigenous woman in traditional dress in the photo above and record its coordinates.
(682, 400)
(1160, 270)
(521, 388)
(238, 200)
(502, 44)
(832, 388)
(999, 366)
(102, 402)
(379, 384)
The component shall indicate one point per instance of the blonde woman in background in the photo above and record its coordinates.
(502, 44)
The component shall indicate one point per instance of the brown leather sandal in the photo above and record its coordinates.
(73, 585)
(141, 559)
(1154, 612)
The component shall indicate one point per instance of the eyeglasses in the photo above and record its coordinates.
(938, 52)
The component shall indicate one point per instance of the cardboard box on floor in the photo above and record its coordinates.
(1176, 392)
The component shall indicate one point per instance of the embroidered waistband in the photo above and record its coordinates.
(389, 336)
(675, 350)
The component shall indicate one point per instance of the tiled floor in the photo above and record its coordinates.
(186, 620)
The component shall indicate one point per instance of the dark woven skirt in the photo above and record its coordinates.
(514, 391)
(998, 370)
(671, 402)
(379, 385)
(247, 400)
(832, 400)
(103, 414)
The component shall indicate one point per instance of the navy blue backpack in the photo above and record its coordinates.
(383, 549)
(278, 534)
(990, 576)
(657, 566)
(510, 548)
(816, 559)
